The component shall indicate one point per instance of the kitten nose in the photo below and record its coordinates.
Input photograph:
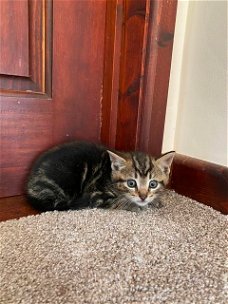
(143, 196)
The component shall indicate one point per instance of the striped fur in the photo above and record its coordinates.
(84, 175)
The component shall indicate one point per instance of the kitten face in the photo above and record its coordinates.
(139, 177)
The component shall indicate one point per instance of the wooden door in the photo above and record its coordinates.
(81, 69)
(51, 56)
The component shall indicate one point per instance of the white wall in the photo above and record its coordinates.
(196, 118)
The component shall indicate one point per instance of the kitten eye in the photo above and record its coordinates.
(153, 184)
(131, 183)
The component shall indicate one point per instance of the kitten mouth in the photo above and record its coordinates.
(141, 203)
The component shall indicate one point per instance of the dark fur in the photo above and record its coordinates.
(79, 175)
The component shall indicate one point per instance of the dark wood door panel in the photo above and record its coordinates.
(26, 48)
(26, 129)
(61, 99)
(14, 38)
(12, 181)
(23, 133)
(78, 55)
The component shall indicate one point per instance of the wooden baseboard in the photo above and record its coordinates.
(200, 180)
(15, 207)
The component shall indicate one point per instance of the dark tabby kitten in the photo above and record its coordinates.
(78, 175)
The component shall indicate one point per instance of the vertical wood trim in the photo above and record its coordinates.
(157, 71)
(48, 47)
(135, 22)
(126, 36)
(113, 28)
(138, 49)
(42, 51)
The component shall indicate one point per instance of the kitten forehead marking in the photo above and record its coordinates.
(142, 163)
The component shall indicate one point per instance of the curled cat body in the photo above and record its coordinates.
(80, 175)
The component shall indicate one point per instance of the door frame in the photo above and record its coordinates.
(138, 52)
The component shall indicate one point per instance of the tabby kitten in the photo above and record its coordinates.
(80, 175)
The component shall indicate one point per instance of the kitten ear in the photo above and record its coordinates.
(165, 161)
(117, 162)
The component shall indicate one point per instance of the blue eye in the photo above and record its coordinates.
(131, 183)
(153, 184)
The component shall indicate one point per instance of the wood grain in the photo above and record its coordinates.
(156, 80)
(26, 130)
(14, 38)
(14, 208)
(78, 50)
(126, 29)
(134, 35)
(30, 47)
(139, 38)
(113, 34)
(70, 107)
(99, 72)
(203, 181)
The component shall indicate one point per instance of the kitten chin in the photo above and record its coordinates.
(151, 201)
(137, 201)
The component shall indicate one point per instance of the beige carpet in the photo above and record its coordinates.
(176, 254)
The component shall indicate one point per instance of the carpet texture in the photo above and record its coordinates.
(175, 254)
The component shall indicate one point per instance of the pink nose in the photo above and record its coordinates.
(143, 196)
